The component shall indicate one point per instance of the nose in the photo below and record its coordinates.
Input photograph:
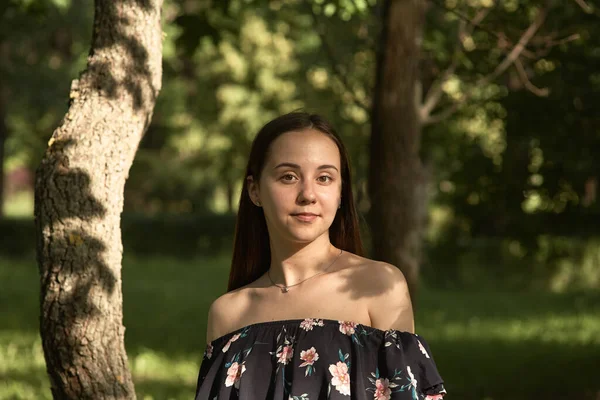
(307, 194)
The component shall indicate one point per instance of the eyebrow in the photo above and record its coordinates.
(291, 165)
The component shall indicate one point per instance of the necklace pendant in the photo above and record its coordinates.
(284, 289)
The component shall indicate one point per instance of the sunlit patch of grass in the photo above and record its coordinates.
(22, 367)
(151, 365)
(576, 329)
(154, 373)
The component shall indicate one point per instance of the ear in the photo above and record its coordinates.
(253, 190)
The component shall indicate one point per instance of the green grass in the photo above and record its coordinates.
(488, 345)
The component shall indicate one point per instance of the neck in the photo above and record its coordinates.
(292, 264)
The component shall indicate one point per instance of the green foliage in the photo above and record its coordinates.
(551, 263)
(507, 167)
(40, 55)
(230, 67)
(510, 166)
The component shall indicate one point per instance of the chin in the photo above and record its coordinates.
(305, 237)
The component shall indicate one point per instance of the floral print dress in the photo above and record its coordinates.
(318, 359)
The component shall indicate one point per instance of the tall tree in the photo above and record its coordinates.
(397, 180)
(396, 173)
(79, 200)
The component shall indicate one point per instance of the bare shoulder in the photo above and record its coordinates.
(385, 290)
(223, 314)
(375, 274)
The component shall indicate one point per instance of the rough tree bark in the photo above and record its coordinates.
(79, 200)
(396, 176)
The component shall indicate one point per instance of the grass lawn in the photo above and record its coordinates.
(488, 345)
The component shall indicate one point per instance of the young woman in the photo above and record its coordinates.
(306, 316)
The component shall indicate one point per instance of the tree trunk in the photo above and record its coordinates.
(396, 178)
(79, 200)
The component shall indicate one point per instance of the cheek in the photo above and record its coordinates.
(331, 195)
(280, 196)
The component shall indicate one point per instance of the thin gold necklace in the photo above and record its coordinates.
(284, 288)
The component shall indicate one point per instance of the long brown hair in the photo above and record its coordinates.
(251, 250)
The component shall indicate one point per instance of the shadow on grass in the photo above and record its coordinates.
(495, 369)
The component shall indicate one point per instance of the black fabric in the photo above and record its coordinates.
(317, 359)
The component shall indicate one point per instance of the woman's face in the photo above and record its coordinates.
(300, 185)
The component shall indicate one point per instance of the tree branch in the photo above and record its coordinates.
(540, 92)
(516, 51)
(499, 70)
(584, 6)
(476, 24)
(434, 94)
(548, 45)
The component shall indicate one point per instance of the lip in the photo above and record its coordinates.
(305, 216)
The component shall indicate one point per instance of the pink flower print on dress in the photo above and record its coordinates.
(382, 389)
(309, 323)
(347, 327)
(285, 355)
(309, 356)
(340, 377)
(209, 350)
(422, 349)
(231, 340)
(234, 374)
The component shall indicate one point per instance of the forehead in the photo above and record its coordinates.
(304, 147)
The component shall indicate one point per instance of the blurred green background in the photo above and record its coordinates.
(511, 270)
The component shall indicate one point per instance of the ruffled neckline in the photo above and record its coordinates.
(294, 321)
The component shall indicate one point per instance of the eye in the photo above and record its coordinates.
(287, 178)
(327, 180)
